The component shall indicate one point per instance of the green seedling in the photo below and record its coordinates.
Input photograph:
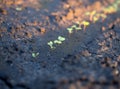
(19, 9)
(95, 19)
(91, 13)
(70, 30)
(78, 28)
(116, 4)
(50, 43)
(60, 38)
(85, 23)
(112, 8)
(103, 16)
(57, 42)
(74, 26)
(35, 54)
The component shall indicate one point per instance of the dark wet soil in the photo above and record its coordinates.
(88, 58)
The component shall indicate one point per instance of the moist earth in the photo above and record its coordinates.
(88, 58)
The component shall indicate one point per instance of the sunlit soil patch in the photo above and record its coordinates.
(90, 14)
(37, 4)
(78, 12)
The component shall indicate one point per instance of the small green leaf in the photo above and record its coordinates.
(85, 23)
(19, 9)
(74, 26)
(60, 38)
(78, 28)
(35, 54)
(57, 42)
(50, 44)
(70, 30)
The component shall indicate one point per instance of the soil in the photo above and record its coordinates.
(88, 58)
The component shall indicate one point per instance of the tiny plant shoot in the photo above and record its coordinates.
(58, 41)
(85, 23)
(19, 9)
(60, 38)
(74, 27)
(35, 54)
(112, 8)
(70, 30)
(50, 43)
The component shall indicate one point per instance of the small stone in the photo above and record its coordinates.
(3, 11)
(66, 6)
(103, 28)
(114, 64)
(86, 53)
(72, 86)
(42, 30)
(116, 72)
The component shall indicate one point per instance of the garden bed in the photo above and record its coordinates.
(59, 44)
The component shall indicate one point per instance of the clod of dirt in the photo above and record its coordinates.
(3, 11)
